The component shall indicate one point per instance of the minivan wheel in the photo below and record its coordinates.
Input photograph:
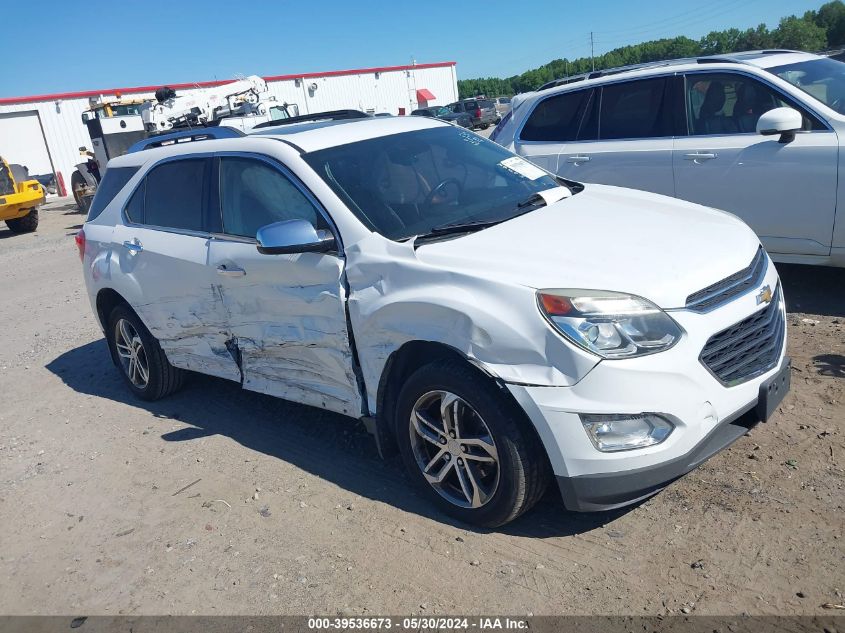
(140, 358)
(466, 445)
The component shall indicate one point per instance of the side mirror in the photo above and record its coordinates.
(783, 121)
(293, 236)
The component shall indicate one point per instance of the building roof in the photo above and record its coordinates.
(210, 84)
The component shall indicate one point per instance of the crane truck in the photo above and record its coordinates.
(116, 125)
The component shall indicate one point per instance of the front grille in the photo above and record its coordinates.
(731, 287)
(748, 348)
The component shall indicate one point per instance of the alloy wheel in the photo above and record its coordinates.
(454, 449)
(130, 350)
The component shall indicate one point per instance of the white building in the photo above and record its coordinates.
(45, 132)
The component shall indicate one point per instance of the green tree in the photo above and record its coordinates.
(800, 34)
(815, 30)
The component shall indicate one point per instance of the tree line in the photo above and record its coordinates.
(814, 31)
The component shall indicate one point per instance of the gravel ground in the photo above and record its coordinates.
(222, 501)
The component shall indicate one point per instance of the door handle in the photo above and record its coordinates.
(577, 159)
(230, 271)
(134, 246)
(701, 156)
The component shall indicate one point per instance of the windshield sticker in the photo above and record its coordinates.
(523, 168)
(469, 137)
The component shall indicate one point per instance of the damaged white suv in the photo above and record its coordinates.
(500, 326)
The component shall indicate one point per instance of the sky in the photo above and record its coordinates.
(68, 46)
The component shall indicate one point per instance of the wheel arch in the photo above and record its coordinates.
(403, 362)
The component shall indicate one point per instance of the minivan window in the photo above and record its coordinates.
(113, 181)
(174, 194)
(254, 194)
(730, 103)
(558, 118)
(635, 109)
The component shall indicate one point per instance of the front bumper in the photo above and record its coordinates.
(707, 415)
(606, 491)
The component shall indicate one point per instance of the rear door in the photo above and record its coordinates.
(786, 192)
(555, 126)
(633, 145)
(162, 250)
(286, 313)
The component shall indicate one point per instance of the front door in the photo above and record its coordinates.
(163, 250)
(286, 313)
(786, 192)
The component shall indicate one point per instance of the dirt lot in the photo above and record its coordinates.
(222, 501)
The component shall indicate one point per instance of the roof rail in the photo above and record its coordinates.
(185, 136)
(717, 60)
(333, 115)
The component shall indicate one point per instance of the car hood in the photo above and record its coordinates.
(606, 238)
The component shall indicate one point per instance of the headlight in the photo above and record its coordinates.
(610, 324)
(611, 433)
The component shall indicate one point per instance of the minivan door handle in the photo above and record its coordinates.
(133, 246)
(701, 156)
(577, 159)
(230, 271)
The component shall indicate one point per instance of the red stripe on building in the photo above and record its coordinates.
(210, 84)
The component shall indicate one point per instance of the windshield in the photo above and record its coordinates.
(823, 79)
(407, 184)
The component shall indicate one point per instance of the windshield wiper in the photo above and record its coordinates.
(529, 204)
(463, 227)
(530, 201)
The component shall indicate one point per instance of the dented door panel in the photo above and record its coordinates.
(165, 277)
(287, 325)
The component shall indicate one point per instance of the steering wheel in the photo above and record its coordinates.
(440, 188)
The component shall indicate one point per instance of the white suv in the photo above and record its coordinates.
(499, 325)
(756, 134)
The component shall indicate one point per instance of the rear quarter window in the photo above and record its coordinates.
(113, 181)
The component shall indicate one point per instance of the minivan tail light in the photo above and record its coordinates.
(80, 243)
(478, 113)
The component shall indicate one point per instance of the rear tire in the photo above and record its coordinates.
(77, 183)
(142, 363)
(493, 469)
(26, 224)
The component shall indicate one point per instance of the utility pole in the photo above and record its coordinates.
(592, 59)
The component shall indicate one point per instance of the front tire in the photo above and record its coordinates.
(468, 446)
(26, 224)
(142, 363)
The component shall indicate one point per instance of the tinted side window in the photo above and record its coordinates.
(728, 103)
(636, 109)
(135, 207)
(174, 194)
(113, 181)
(254, 194)
(558, 118)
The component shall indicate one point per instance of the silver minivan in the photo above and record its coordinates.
(756, 134)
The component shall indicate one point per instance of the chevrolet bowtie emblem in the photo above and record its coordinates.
(765, 295)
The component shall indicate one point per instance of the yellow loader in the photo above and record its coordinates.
(19, 200)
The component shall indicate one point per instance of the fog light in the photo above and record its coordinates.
(619, 432)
